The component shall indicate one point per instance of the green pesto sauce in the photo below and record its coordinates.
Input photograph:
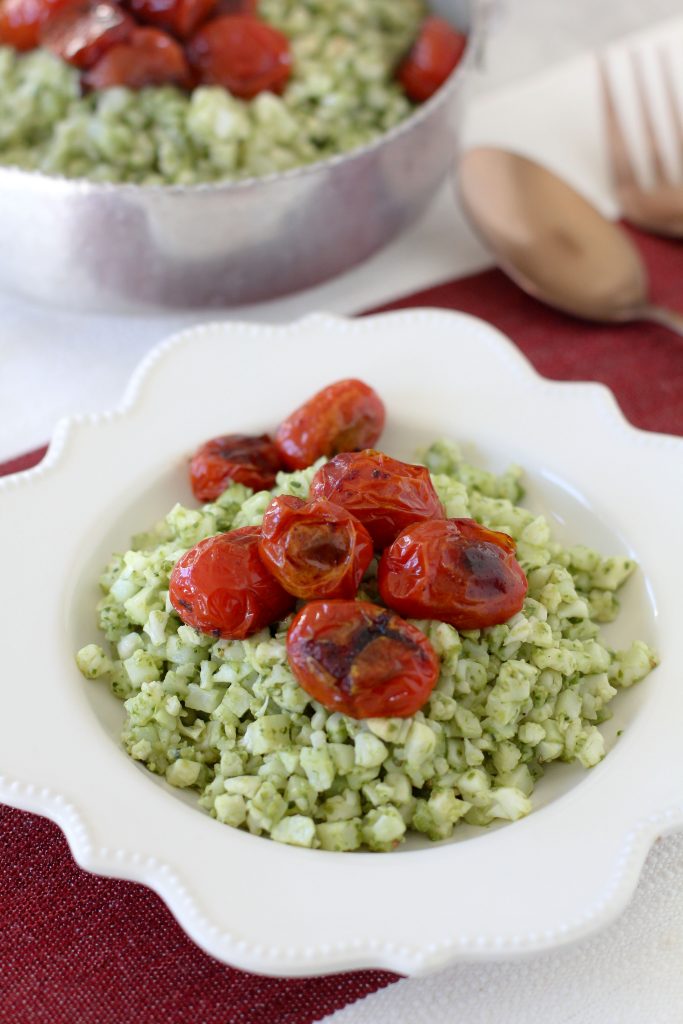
(340, 96)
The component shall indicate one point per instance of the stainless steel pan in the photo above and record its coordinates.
(103, 247)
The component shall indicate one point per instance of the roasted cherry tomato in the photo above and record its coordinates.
(345, 417)
(149, 57)
(244, 55)
(236, 7)
(233, 458)
(22, 20)
(361, 659)
(314, 548)
(385, 494)
(83, 32)
(454, 570)
(221, 586)
(179, 17)
(434, 54)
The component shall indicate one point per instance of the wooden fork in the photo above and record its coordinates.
(657, 207)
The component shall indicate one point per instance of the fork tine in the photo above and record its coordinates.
(623, 169)
(666, 66)
(661, 174)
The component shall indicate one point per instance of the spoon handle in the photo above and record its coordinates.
(666, 317)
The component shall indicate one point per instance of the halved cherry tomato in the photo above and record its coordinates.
(21, 20)
(361, 659)
(149, 57)
(84, 31)
(346, 416)
(221, 586)
(385, 494)
(314, 548)
(233, 458)
(454, 570)
(241, 53)
(434, 54)
(179, 17)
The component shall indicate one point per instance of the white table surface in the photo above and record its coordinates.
(537, 94)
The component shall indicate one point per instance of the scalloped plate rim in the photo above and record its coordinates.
(159, 875)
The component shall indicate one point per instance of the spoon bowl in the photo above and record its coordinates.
(552, 242)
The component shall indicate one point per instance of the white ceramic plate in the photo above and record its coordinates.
(554, 876)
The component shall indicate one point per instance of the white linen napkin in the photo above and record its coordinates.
(630, 973)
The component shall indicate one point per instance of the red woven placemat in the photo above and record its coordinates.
(641, 363)
(76, 949)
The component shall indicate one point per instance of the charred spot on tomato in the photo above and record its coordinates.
(233, 458)
(243, 448)
(488, 572)
(454, 570)
(338, 658)
(361, 659)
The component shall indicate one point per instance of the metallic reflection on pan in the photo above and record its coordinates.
(114, 247)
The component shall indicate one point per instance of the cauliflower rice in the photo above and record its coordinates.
(228, 719)
(341, 95)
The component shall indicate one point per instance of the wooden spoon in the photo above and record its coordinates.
(553, 243)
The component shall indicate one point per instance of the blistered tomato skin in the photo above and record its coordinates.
(21, 21)
(82, 33)
(434, 55)
(361, 659)
(221, 587)
(345, 417)
(148, 57)
(314, 549)
(179, 17)
(233, 458)
(237, 7)
(454, 570)
(244, 55)
(384, 494)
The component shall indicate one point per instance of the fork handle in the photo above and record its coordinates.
(666, 317)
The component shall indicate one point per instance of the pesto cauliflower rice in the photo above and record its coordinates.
(228, 720)
(341, 95)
